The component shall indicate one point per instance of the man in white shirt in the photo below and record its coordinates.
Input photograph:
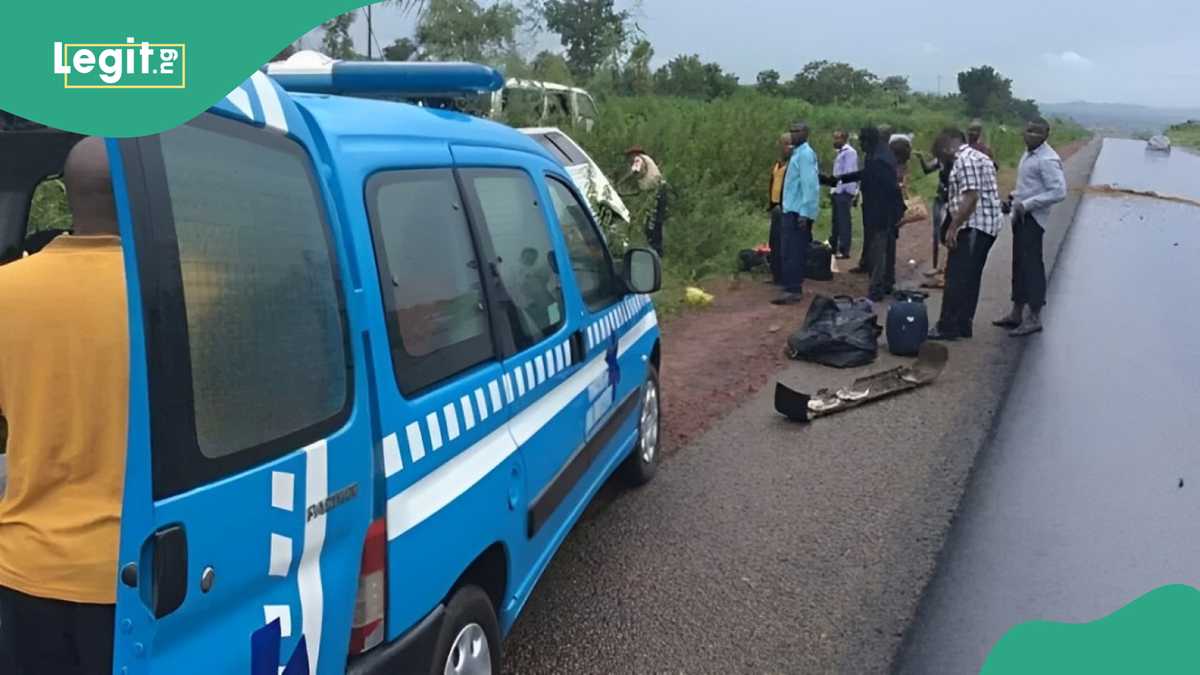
(1041, 184)
(843, 195)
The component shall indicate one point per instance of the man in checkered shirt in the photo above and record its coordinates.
(975, 220)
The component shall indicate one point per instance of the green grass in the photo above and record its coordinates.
(1185, 134)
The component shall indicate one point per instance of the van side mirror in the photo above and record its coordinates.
(643, 270)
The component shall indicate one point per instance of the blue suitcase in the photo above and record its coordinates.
(907, 324)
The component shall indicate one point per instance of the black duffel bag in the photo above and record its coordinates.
(819, 265)
(839, 332)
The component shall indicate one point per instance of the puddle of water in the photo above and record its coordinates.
(1128, 165)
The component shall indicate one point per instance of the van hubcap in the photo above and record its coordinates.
(649, 422)
(470, 654)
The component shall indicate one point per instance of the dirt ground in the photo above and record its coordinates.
(717, 356)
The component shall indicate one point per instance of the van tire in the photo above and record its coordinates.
(469, 613)
(641, 465)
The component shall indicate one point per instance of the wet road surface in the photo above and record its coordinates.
(1076, 509)
(771, 547)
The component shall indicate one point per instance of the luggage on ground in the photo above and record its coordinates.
(839, 332)
(907, 324)
(820, 262)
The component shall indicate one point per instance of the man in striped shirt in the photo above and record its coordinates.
(975, 220)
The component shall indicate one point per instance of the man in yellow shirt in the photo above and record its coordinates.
(775, 206)
(64, 381)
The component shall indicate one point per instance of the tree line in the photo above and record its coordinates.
(604, 50)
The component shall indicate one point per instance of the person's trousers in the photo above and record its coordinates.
(840, 238)
(864, 257)
(39, 636)
(1029, 268)
(657, 220)
(776, 244)
(882, 262)
(796, 235)
(939, 219)
(964, 275)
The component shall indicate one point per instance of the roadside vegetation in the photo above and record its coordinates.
(1187, 134)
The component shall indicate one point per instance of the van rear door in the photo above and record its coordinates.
(250, 461)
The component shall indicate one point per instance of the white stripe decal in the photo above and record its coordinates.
(558, 357)
(433, 492)
(468, 413)
(416, 445)
(312, 594)
(281, 612)
(392, 463)
(281, 555)
(508, 388)
(435, 431)
(451, 422)
(241, 100)
(268, 98)
(520, 381)
(283, 490)
(540, 368)
(494, 389)
(549, 356)
(529, 376)
(482, 403)
(591, 335)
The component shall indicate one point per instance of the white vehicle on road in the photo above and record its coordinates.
(588, 176)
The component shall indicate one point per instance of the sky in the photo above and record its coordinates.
(1107, 51)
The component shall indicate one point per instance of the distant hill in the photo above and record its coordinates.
(1123, 117)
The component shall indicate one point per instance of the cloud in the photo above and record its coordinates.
(1069, 59)
(930, 48)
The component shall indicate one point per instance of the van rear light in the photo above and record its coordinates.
(370, 607)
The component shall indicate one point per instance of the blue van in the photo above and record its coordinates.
(381, 361)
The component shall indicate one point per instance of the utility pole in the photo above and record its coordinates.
(370, 34)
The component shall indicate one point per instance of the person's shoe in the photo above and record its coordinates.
(938, 336)
(1029, 326)
(788, 299)
(1009, 322)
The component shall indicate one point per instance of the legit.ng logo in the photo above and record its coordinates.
(121, 65)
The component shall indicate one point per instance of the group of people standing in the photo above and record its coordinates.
(968, 215)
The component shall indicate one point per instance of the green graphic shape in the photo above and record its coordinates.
(224, 42)
(1159, 634)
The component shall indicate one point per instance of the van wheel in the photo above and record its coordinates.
(641, 466)
(469, 641)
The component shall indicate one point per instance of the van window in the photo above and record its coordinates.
(587, 107)
(590, 259)
(245, 321)
(508, 208)
(568, 147)
(544, 141)
(429, 277)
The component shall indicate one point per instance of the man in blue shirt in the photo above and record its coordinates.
(801, 203)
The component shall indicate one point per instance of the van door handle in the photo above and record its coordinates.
(168, 552)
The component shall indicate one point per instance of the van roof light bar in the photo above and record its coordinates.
(313, 72)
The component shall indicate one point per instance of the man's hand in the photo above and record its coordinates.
(1018, 210)
(951, 240)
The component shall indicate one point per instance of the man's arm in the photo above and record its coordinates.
(970, 201)
(928, 167)
(1055, 183)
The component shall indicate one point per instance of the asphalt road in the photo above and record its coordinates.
(771, 547)
(1087, 498)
